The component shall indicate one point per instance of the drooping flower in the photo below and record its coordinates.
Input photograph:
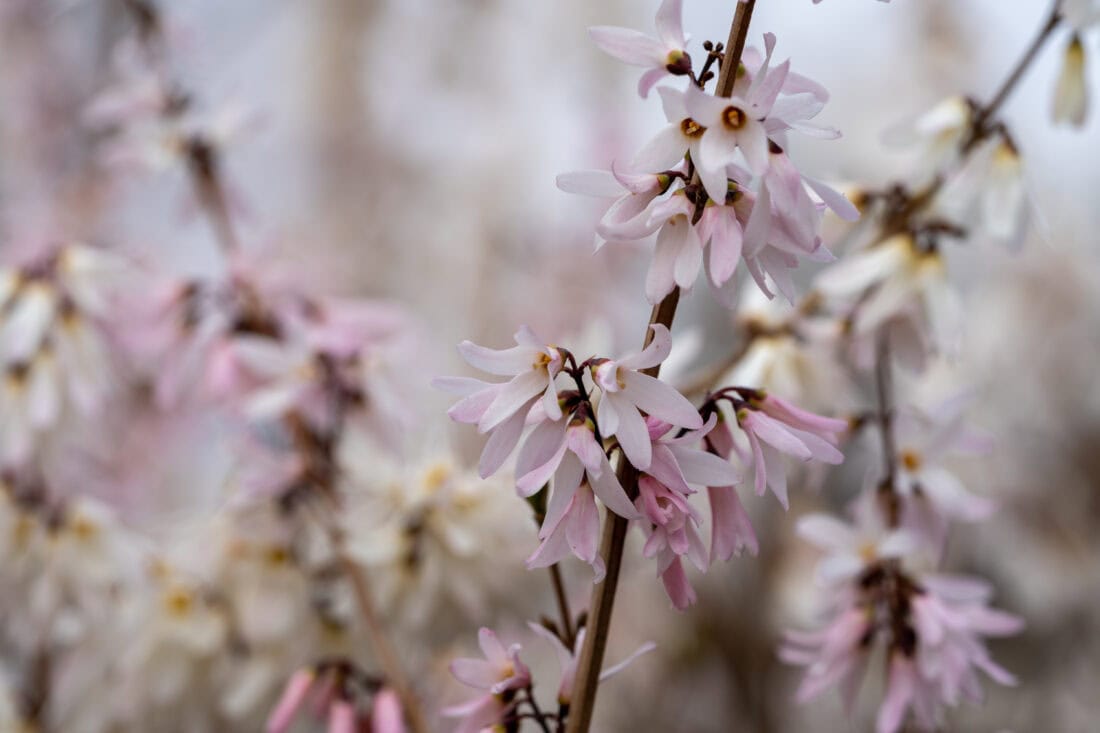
(898, 280)
(626, 391)
(661, 56)
(1071, 93)
(933, 626)
(774, 427)
(500, 674)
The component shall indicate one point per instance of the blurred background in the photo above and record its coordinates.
(406, 152)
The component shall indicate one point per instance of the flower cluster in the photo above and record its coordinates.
(932, 626)
(716, 183)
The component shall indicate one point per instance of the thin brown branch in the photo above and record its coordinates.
(205, 168)
(615, 527)
(563, 606)
(383, 649)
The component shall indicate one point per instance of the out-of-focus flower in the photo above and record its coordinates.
(1071, 93)
(900, 280)
(500, 674)
(661, 56)
(933, 626)
(54, 341)
(932, 495)
(385, 712)
(937, 132)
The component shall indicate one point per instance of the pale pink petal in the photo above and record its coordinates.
(502, 362)
(661, 400)
(341, 717)
(597, 183)
(731, 530)
(294, 695)
(669, 21)
(385, 713)
(664, 150)
(628, 45)
(514, 396)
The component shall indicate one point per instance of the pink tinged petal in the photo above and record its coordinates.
(476, 672)
(341, 717)
(899, 695)
(609, 672)
(753, 141)
(550, 400)
(607, 417)
(777, 474)
(705, 469)
(948, 493)
(531, 481)
(776, 434)
(566, 481)
(460, 386)
(553, 549)
(385, 713)
(632, 433)
(665, 468)
(731, 532)
(716, 151)
(661, 400)
(669, 21)
(502, 362)
(759, 225)
(827, 532)
(760, 480)
(661, 278)
(677, 587)
(628, 45)
(601, 184)
(515, 396)
(834, 199)
(725, 249)
(292, 699)
(764, 95)
(655, 352)
(690, 257)
(501, 443)
(582, 525)
(477, 714)
(649, 79)
(471, 409)
(582, 441)
(796, 107)
(820, 449)
(611, 493)
(791, 414)
(491, 647)
(663, 151)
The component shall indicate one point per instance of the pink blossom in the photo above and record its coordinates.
(342, 717)
(776, 427)
(661, 56)
(628, 215)
(500, 672)
(291, 701)
(385, 712)
(626, 391)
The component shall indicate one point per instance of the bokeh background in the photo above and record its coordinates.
(406, 150)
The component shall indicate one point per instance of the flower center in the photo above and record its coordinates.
(911, 460)
(734, 117)
(691, 128)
